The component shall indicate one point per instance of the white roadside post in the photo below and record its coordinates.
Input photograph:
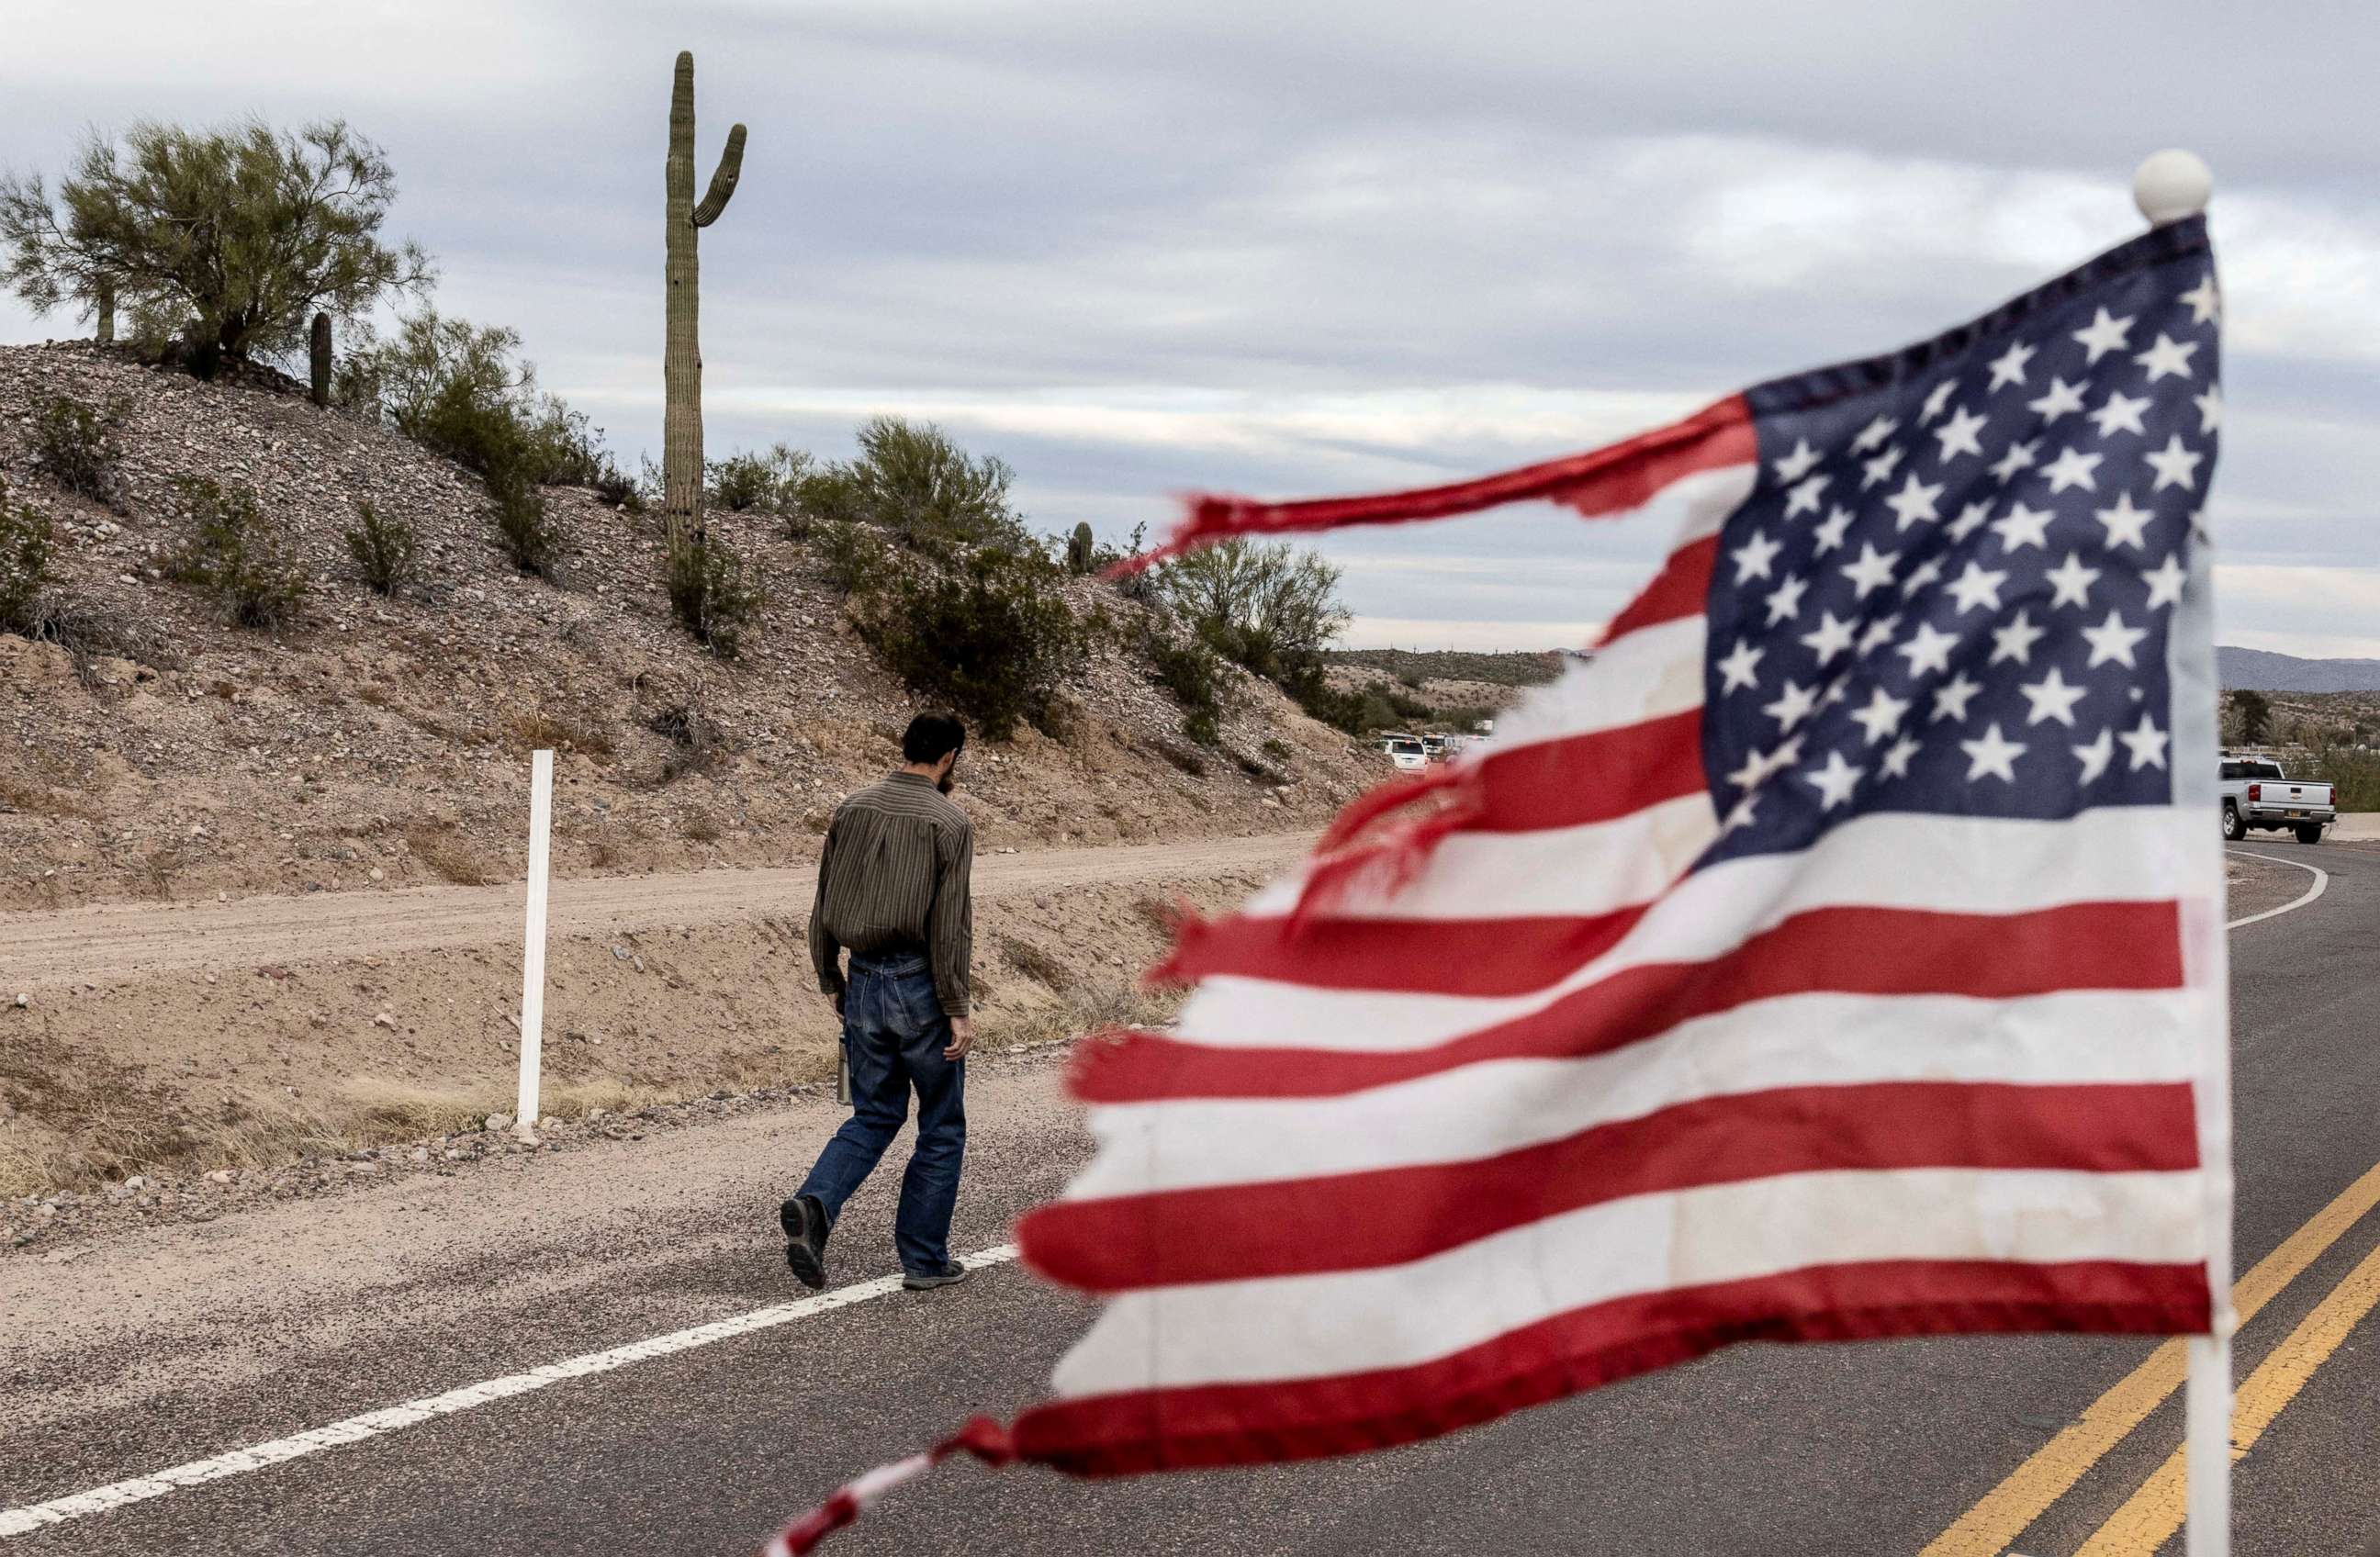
(2169, 186)
(532, 1020)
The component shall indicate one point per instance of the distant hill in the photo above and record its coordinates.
(1452, 665)
(2254, 669)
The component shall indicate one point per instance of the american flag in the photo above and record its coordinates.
(1836, 954)
(1828, 957)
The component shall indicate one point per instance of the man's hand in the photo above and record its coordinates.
(962, 1038)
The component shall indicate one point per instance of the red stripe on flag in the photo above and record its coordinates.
(1188, 1427)
(1680, 589)
(1599, 777)
(1840, 950)
(1391, 1216)
(1607, 480)
(1481, 956)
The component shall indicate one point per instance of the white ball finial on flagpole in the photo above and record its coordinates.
(2172, 185)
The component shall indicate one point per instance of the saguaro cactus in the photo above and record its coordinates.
(102, 304)
(682, 352)
(322, 358)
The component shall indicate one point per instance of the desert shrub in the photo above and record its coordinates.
(1270, 608)
(24, 566)
(615, 488)
(914, 481)
(1277, 750)
(765, 483)
(464, 391)
(851, 554)
(75, 445)
(237, 555)
(1194, 675)
(991, 635)
(383, 548)
(525, 529)
(446, 853)
(714, 594)
(700, 828)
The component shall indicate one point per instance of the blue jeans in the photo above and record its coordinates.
(893, 1034)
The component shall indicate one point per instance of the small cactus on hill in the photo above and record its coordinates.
(102, 304)
(1078, 550)
(320, 354)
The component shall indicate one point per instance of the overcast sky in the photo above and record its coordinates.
(1135, 248)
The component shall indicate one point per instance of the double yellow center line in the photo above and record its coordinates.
(2154, 1512)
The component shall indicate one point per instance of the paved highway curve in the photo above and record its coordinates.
(185, 1341)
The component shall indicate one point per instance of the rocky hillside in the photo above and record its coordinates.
(155, 751)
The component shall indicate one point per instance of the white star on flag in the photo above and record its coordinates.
(2210, 408)
(2121, 413)
(2096, 755)
(1950, 699)
(1831, 530)
(2111, 640)
(2022, 526)
(1835, 782)
(2145, 742)
(2071, 582)
(1831, 638)
(2052, 699)
(1873, 571)
(1752, 559)
(2015, 640)
(1957, 435)
(1800, 462)
(2205, 303)
(2103, 334)
(2062, 398)
(1803, 497)
(1785, 600)
(1936, 399)
(2175, 466)
(1914, 503)
(2072, 468)
(2019, 457)
(2009, 367)
(2125, 523)
(1739, 669)
(1993, 756)
(1882, 715)
(1880, 468)
(1896, 757)
(1978, 589)
(2165, 581)
(1794, 703)
(1873, 435)
(1928, 649)
(2167, 357)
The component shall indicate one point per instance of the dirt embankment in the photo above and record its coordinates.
(156, 752)
(228, 1037)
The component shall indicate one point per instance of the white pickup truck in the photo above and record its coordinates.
(2257, 794)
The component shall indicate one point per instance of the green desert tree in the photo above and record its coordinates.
(228, 241)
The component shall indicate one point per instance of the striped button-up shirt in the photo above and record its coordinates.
(893, 877)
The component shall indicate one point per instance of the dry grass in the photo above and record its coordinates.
(1085, 1011)
(446, 853)
(154, 879)
(1035, 963)
(700, 829)
(533, 729)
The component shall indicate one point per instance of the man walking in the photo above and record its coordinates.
(892, 890)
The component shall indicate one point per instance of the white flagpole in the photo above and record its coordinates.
(2170, 186)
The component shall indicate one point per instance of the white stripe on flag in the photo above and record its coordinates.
(1647, 674)
(1316, 1326)
(1946, 865)
(1485, 1110)
(1590, 869)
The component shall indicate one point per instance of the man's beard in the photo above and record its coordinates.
(949, 780)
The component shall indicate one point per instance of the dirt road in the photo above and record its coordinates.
(103, 946)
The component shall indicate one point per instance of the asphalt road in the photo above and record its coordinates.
(175, 1343)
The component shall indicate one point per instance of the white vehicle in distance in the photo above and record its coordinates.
(2257, 794)
(1434, 747)
(1407, 753)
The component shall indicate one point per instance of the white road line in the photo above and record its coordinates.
(2321, 885)
(374, 1424)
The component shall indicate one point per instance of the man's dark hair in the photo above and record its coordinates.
(932, 737)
